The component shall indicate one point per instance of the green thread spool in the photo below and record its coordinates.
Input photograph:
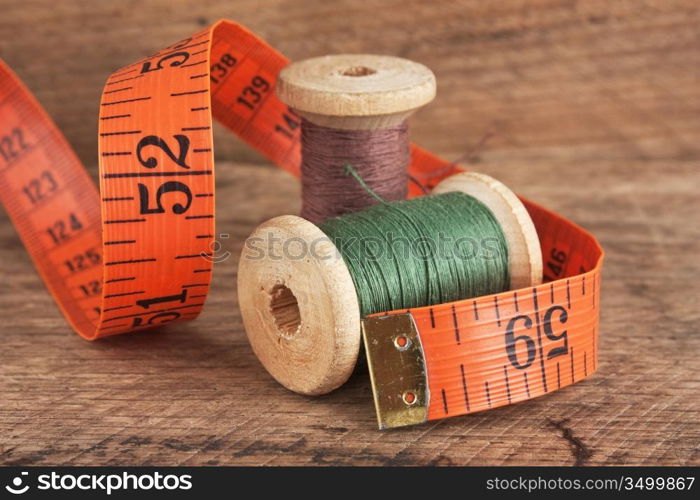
(407, 254)
(297, 290)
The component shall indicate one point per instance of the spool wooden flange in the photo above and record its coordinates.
(356, 91)
(298, 300)
(299, 305)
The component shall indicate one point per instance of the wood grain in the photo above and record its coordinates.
(552, 78)
(594, 109)
(196, 394)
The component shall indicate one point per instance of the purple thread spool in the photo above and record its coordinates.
(354, 110)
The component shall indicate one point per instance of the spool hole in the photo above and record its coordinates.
(285, 311)
(358, 71)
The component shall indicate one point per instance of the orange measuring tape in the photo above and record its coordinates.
(133, 256)
(496, 350)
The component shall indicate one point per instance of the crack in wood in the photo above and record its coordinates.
(579, 450)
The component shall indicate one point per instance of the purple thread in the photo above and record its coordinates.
(380, 157)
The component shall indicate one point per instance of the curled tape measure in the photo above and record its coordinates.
(134, 255)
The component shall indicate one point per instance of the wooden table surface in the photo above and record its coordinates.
(195, 394)
(554, 79)
(594, 108)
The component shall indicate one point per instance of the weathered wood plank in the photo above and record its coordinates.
(594, 108)
(551, 78)
(195, 394)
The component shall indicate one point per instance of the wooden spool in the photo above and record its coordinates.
(298, 300)
(356, 91)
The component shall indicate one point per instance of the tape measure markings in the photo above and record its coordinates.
(197, 145)
(545, 347)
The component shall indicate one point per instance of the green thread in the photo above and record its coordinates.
(347, 168)
(425, 251)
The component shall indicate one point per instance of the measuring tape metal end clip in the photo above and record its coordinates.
(397, 370)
